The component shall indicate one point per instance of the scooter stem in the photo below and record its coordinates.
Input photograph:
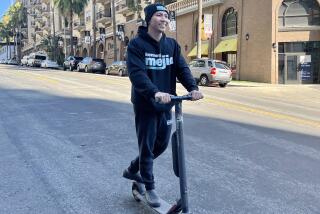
(181, 157)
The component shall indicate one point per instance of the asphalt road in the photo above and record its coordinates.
(65, 138)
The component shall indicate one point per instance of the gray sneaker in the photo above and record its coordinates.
(152, 198)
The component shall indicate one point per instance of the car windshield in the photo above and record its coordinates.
(220, 65)
(98, 60)
(40, 57)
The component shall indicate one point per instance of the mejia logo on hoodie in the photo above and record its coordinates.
(157, 61)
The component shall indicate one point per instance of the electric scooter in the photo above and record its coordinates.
(179, 168)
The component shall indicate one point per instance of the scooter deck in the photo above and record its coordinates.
(164, 208)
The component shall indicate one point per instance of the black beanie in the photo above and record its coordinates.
(151, 9)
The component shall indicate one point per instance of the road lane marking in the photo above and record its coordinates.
(226, 104)
(275, 115)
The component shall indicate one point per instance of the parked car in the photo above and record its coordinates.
(118, 67)
(72, 62)
(207, 71)
(35, 59)
(49, 64)
(12, 62)
(89, 64)
(24, 60)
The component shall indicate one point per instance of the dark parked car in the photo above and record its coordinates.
(72, 62)
(89, 64)
(118, 68)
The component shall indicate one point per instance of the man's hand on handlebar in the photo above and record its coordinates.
(196, 95)
(162, 98)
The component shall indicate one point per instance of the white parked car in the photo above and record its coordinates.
(207, 71)
(35, 59)
(49, 64)
(24, 60)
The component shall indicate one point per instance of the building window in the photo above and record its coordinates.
(229, 22)
(299, 13)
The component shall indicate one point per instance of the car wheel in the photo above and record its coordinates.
(222, 85)
(204, 80)
(120, 73)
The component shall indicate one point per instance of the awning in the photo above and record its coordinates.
(204, 50)
(226, 46)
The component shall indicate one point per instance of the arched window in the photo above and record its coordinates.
(229, 22)
(299, 13)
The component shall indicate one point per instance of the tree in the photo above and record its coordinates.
(49, 44)
(68, 8)
(13, 21)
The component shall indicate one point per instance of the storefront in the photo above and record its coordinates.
(299, 63)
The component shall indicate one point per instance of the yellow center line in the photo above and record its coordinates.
(275, 115)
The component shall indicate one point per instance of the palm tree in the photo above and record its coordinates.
(17, 16)
(68, 8)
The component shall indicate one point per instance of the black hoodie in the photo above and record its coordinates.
(153, 67)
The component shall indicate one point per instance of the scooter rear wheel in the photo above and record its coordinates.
(137, 188)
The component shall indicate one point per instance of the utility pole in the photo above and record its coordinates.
(199, 29)
(115, 54)
(65, 37)
(94, 28)
(54, 41)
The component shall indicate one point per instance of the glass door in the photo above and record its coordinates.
(292, 71)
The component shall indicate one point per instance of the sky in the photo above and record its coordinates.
(4, 5)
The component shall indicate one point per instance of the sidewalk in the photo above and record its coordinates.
(258, 84)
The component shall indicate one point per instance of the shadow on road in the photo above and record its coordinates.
(66, 155)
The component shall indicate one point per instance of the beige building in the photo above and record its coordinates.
(273, 41)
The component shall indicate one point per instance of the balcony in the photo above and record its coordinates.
(39, 31)
(38, 17)
(187, 6)
(103, 1)
(46, 12)
(123, 7)
(36, 3)
(46, 26)
(104, 16)
(79, 24)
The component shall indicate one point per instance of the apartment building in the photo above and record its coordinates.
(43, 18)
(125, 25)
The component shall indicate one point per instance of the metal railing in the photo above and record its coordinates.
(186, 4)
(103, 14)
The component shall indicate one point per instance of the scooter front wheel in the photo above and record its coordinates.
(176, 208)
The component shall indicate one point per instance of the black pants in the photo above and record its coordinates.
(153, 134)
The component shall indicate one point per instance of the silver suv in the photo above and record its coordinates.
(207, 71)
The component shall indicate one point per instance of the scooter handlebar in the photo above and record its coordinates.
(180, 98)
(177, 98)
